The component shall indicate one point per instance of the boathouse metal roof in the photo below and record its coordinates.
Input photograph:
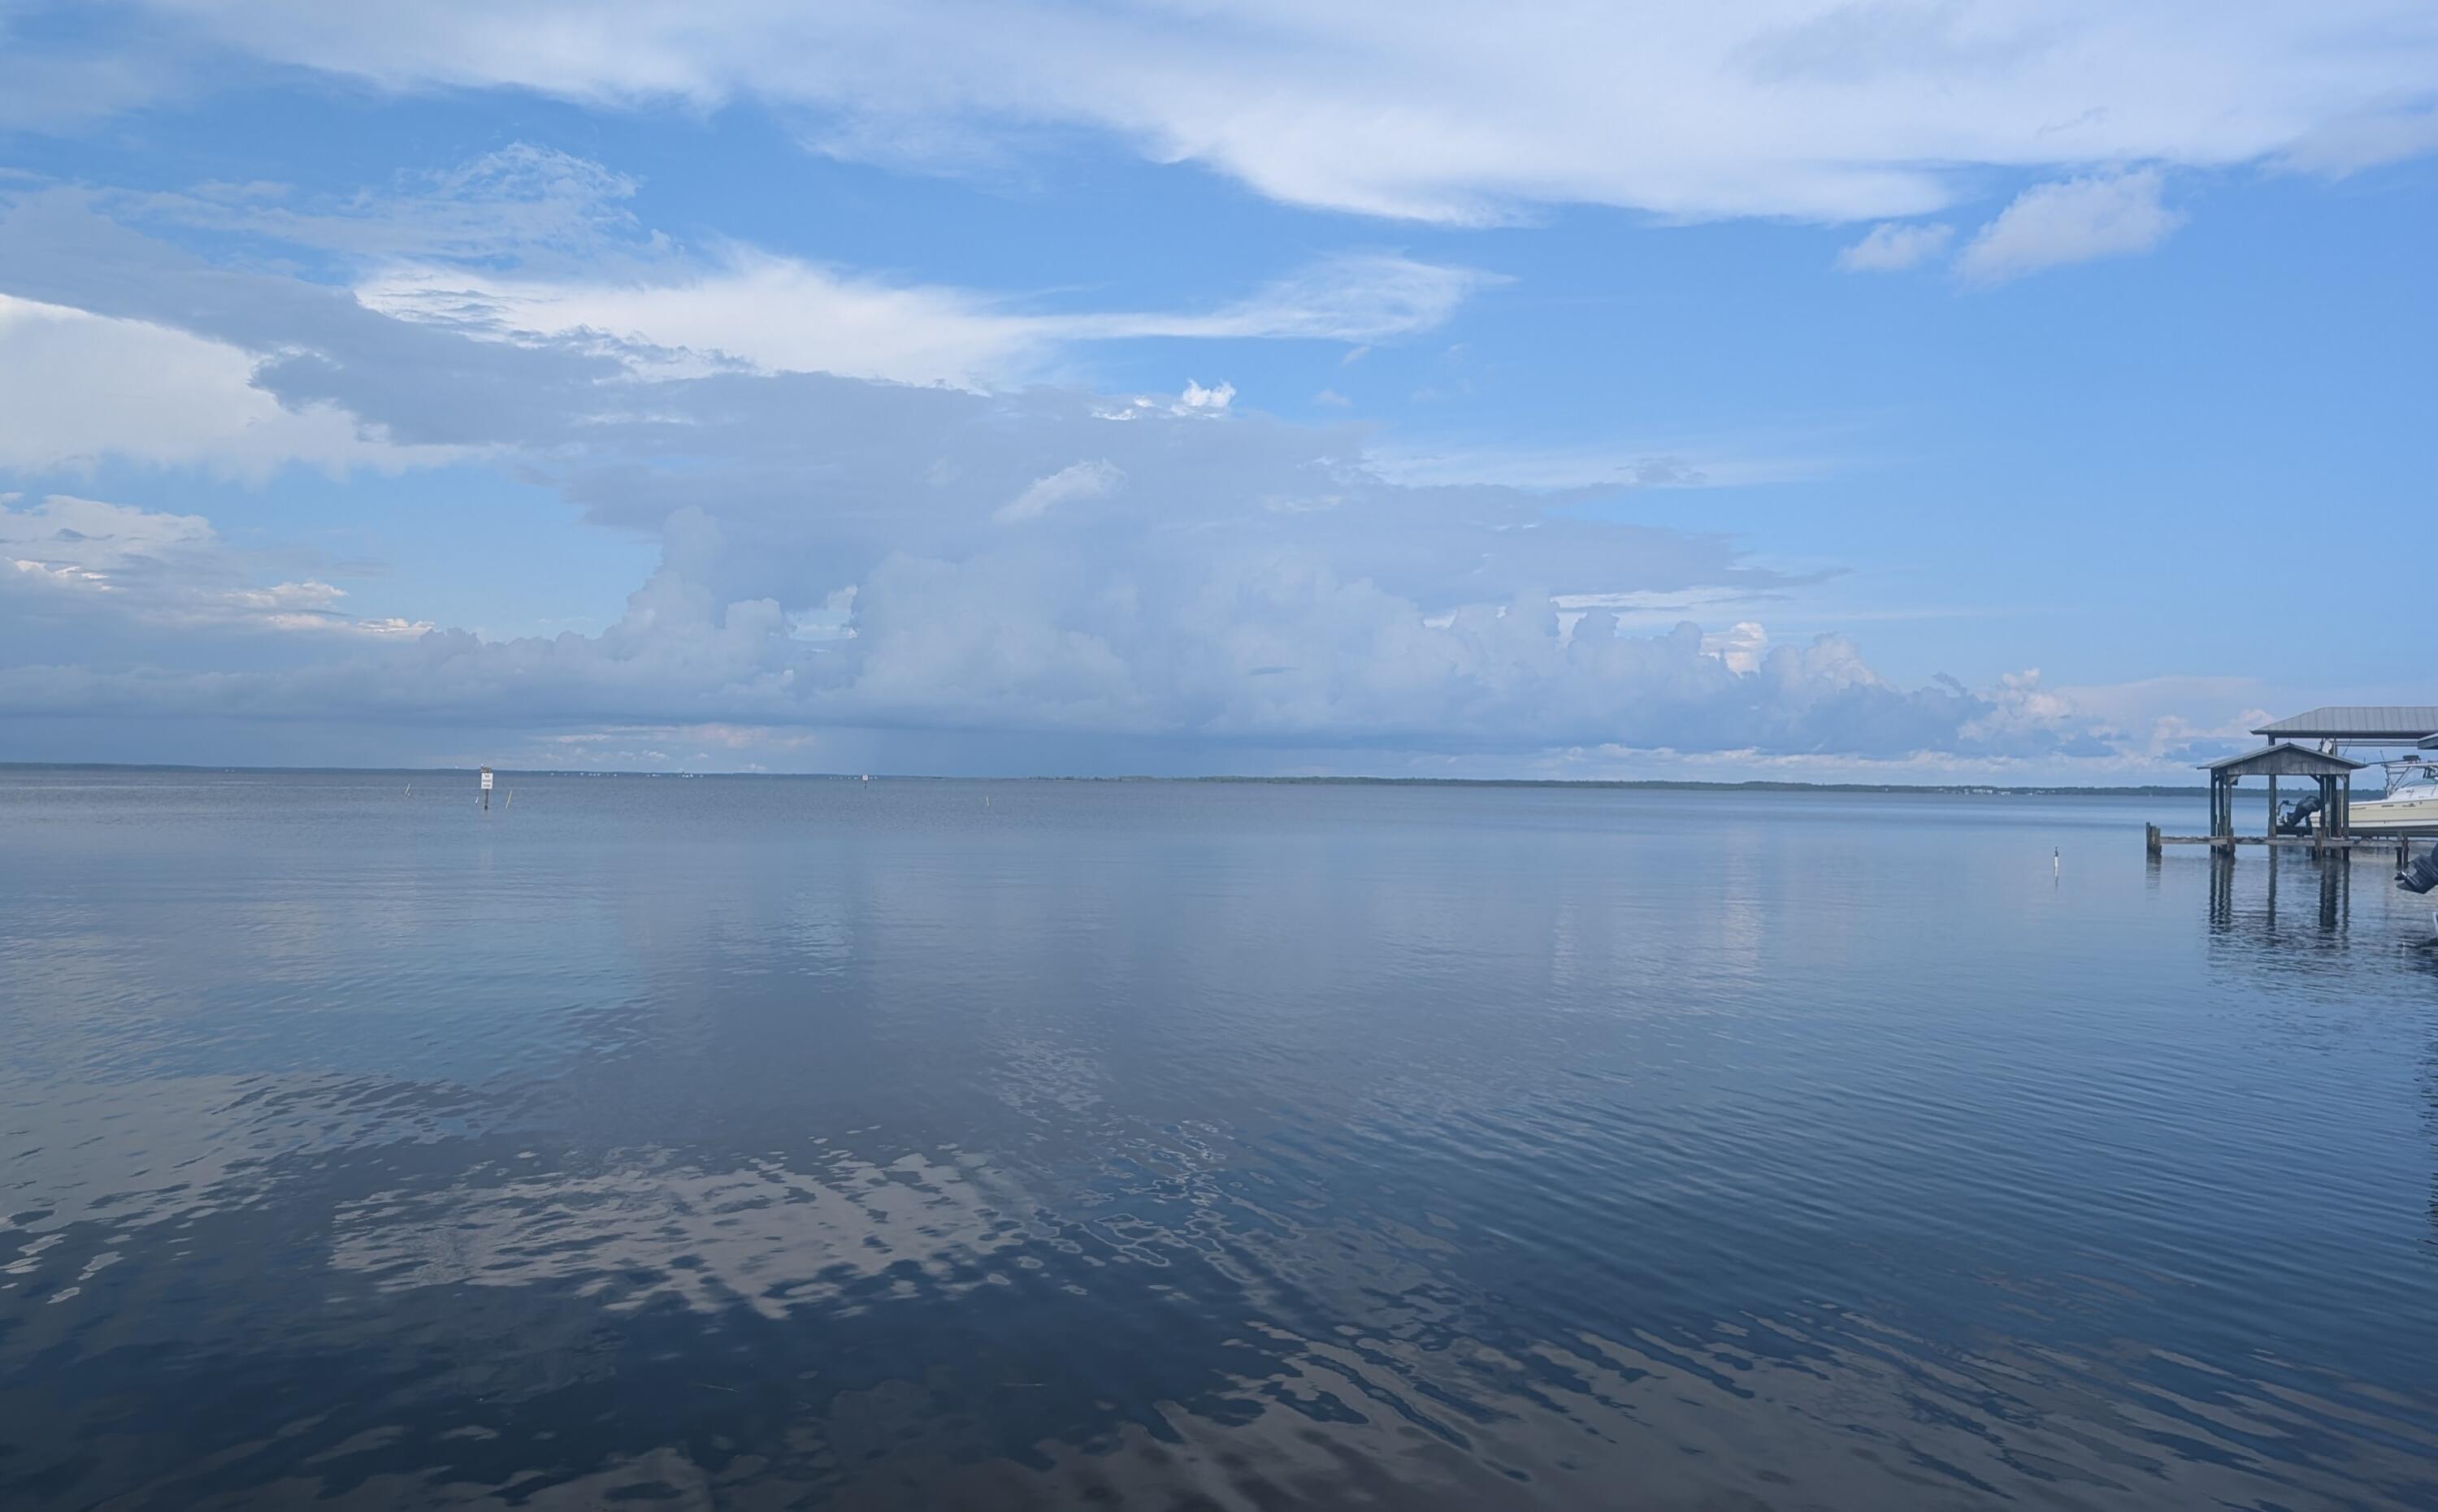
(2399, 724)
(2281, 761)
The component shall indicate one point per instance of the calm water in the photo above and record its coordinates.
(778, 1143)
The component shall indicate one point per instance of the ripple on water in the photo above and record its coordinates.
(1172, 1146)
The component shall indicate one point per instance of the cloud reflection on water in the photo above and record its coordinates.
(900, 1163)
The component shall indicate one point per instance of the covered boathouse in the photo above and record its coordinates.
(2332, 772)
(2328, 729)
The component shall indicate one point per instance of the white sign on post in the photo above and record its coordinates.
(487, 778)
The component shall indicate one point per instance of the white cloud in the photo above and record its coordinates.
(1740, 646)
(1085, 480)
(2178, 720)
(1684, 463)
(2019, 702)
(2352, 143)
(78, 388)
(1192, 400)
(532, 245)
(830, 562)
(80, 555)
(783, 314)
(93, 539)
(2075, 221)
(1829, 109)
(1361, 298)
(50, 87)
(1262, 589)
(768, 312)
(1892, 246)
(514, 202)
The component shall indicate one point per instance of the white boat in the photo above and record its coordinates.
(2410, 804)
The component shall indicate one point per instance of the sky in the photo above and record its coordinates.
(1887, 391)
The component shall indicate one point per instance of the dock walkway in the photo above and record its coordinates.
(2154, 840)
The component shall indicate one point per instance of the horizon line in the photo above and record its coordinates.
(1747, 784)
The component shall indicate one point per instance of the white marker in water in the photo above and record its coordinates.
(2057, 862)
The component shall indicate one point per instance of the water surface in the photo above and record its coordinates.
(802, 1143)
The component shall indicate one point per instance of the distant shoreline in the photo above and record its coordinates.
(1627, 785)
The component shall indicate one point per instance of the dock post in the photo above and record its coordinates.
(2150, 840)
(487, 790)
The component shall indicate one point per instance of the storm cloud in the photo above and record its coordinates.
(975, 564)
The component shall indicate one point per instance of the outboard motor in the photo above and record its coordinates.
(2295, 818)
(2422, 875)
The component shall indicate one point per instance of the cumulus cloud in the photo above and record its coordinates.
(1817, 108)
(2075, 221)
(1012, 644)
(1203, 615)
(1892, 246)
(922, 564)
(1193, 400)
(1740, 646)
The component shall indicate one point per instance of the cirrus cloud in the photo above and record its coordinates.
(750, 307)
(1437, 110)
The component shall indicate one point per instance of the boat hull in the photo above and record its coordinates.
(2393, 816)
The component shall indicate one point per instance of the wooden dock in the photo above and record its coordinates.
(2330, 816)
(2154, 840)
(2326, 821)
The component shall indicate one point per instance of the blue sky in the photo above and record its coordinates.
(1879, 390)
